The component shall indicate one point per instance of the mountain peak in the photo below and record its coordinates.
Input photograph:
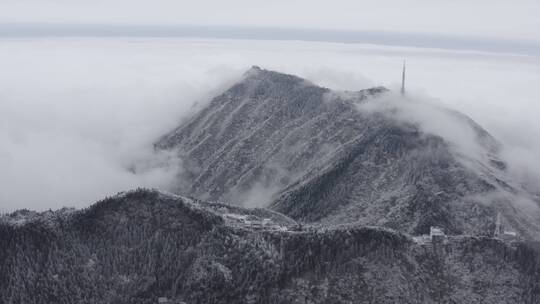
(254, 69)
(258, 75)
(317, 156)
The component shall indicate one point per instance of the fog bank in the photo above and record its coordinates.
(78, 116)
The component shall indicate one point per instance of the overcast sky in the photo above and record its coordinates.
(491, 21)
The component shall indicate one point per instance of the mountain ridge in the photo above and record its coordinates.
(144, 244)
(354, 183)
(280, 141)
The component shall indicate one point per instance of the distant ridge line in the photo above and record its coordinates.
(387, 38)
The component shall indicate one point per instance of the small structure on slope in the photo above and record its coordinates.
(501, 232)
(403, 80)
(437, 235)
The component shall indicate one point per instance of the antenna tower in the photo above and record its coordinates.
(403, 79)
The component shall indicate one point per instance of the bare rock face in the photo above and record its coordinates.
(142, 245)
(314, 154)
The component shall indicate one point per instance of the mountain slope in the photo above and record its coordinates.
(253, 135)
(319, 157)
(144, 244)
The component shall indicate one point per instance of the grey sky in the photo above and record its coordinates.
(497, 25)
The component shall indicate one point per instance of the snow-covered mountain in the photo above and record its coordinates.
(141, 245)
(369, 157)
(352, 182)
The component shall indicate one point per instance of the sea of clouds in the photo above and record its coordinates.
(78, 116)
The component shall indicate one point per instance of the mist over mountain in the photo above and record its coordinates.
(379, 152)
(87, 129)
(289, 192)
(369, 157)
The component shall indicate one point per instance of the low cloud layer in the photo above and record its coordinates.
(78, 116)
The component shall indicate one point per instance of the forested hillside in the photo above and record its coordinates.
(144, 244)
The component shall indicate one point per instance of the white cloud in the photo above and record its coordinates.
(76, 114)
